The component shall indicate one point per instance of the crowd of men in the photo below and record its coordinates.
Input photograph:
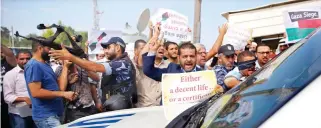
(48, 87)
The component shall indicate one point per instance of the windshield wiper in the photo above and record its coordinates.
(193, 117)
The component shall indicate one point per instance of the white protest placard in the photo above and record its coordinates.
(299, 23)
(96, 37)
(181, 91)
(174, 25)
(237, 36)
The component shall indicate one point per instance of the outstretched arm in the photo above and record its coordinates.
(218, 42)
(85, 64)
(151, 41)
(149, 68)
(10, 58)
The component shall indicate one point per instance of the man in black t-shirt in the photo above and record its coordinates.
(8, 62)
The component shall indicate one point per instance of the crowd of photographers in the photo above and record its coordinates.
(49, 87)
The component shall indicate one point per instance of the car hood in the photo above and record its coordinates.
(148, 117)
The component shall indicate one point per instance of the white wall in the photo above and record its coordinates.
(268, 21)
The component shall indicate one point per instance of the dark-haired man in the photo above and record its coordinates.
(262, 54)
(187, 55)
(16, 94)
(148, 90)
(45, 89)
(171, 51)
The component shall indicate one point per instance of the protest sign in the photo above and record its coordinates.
(180, 91)
(301, 22)
(237, 36)
(174, 25)
(96, 37)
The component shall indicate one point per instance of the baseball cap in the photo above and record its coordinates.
(114, 40)
(227, 49)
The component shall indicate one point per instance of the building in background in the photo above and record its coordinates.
(267, 21)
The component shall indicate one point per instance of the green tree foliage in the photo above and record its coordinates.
(24, 42)
(5, 35)
(48, 33)
(84, 35)
(62, 38)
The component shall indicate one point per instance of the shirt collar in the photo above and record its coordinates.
(194, 70)
(162, 62)
(257, 65)
(20, 70)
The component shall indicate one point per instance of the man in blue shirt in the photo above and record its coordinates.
(43, 88)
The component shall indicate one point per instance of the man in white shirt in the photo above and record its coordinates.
(16, 94)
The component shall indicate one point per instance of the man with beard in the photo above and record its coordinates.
(44, 89)
(118, 82)
(283, 45)
(16, 94)
(171, 52)
(201, 56)
(245, 67)
(226, 57)
(262, 54)
(187, 61)
(148, 90)
(8, 62)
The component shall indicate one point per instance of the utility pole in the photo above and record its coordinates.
(197, 21)
(12, 39)
(96, 15)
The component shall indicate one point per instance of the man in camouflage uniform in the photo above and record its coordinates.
(118, 81)
(226, 64)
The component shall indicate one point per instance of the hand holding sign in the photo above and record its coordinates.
(179, 91)
(223, 29)
(174, 25)
(157, 29)
(235, 35)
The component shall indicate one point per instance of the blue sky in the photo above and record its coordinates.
(25, 15)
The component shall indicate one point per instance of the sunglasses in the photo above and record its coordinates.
(251, 68)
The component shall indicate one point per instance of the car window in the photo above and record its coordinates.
(263, 93)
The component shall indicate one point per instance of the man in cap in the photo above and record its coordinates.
(118, 75)
(226, 57)
(283, 45)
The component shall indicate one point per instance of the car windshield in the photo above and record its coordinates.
(263, 93)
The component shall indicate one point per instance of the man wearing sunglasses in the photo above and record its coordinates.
(245, 67)
(262, 54)
(226, 57)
